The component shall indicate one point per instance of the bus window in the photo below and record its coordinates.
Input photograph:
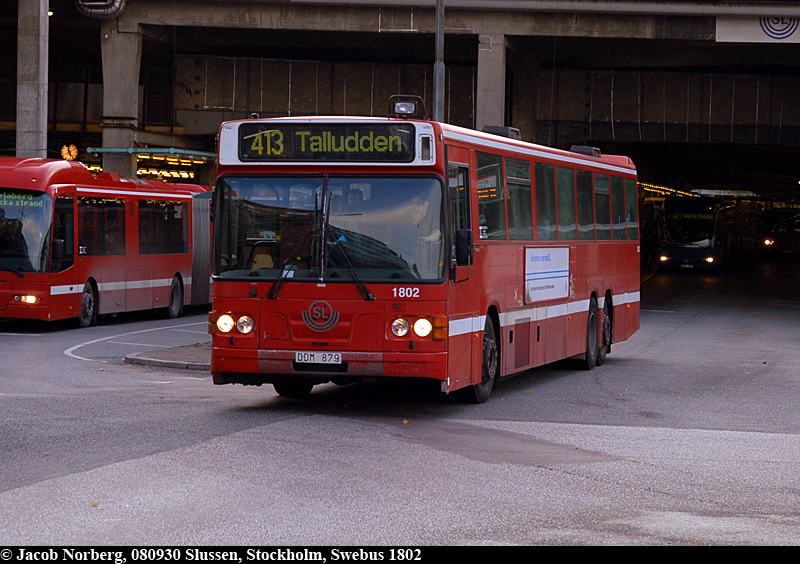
(602, 207)
(458, 189)
(64, 233)
(618, 208)
(632, 202)
(520, 214)
(583, 183)
(102, 222)
(491, 197)
(545, 202)
(163, 228)
(565, 182)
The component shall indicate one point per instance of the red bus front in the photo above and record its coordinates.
(329, 277)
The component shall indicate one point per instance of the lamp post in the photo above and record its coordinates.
(438, 67)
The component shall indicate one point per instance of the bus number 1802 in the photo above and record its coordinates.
(404, 292)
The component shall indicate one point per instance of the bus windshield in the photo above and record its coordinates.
(24, 230)
(328, 227)
(688, 222)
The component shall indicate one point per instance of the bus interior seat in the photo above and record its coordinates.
(262, 259)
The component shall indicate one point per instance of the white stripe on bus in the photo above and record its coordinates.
(532, 314)
(111, 286)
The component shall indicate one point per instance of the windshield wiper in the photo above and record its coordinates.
(284, 274)
(356, 279)
(9, 269)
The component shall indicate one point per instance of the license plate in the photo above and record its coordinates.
(687, 266)
(318, 357)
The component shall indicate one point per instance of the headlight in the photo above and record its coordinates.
(27, 299)
(768, 242)
(245, 324)
(400, 327)
(422, 327)
(663, 258)
(225, 323)
(709, 260)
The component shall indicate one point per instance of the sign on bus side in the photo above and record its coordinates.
(546, 273)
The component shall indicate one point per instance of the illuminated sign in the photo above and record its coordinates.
(327, 142)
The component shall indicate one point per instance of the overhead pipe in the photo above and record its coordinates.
(106, 10)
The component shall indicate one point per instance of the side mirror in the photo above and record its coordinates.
(465, 247)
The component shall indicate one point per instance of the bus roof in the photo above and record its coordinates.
(38, 174)
(615, 163)
(541, 151)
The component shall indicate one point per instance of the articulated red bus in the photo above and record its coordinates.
(76, 245)
(354, 248)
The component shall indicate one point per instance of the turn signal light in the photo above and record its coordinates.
(440, 328)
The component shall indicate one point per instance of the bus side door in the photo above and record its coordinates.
(463, 298)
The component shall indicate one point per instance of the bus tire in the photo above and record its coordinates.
(605, 333)
(89, 303)
(294, 388)
(490, 368)
(175, 299)
(592, 337)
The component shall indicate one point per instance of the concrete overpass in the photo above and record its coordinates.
(702, 94)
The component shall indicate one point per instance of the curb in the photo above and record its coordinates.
(139, 359)
(188, 357)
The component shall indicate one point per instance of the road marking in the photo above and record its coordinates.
(22, 334)
(139, 344)
(70, 352)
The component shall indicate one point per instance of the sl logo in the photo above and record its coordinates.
(320, 317)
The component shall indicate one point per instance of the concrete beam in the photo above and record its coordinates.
(491, 87)
(32, 77)
(408, 19)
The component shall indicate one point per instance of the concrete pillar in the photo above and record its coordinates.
(491, 88)
(33, 32)
(122, 57)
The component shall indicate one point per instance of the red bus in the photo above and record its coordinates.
(348, 249)
(73, 245)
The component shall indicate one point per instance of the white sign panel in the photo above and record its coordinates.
(546, 273)
(758, 29)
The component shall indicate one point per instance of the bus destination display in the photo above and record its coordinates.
(331, 142)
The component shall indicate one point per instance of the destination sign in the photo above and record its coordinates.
(327, 142)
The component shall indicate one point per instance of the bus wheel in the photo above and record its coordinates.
(296, 389)
(592, 337)
(175, 299)
(605, 348)
(88, 315)
(490, 367)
